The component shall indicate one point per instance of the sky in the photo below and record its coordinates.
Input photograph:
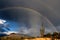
(48, 8)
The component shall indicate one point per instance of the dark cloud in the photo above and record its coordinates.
(48, 8)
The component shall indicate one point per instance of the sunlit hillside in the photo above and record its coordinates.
(13, 36)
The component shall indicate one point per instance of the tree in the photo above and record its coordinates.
(48, 35)
(55, 34)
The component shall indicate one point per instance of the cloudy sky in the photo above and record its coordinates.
(48, 8)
